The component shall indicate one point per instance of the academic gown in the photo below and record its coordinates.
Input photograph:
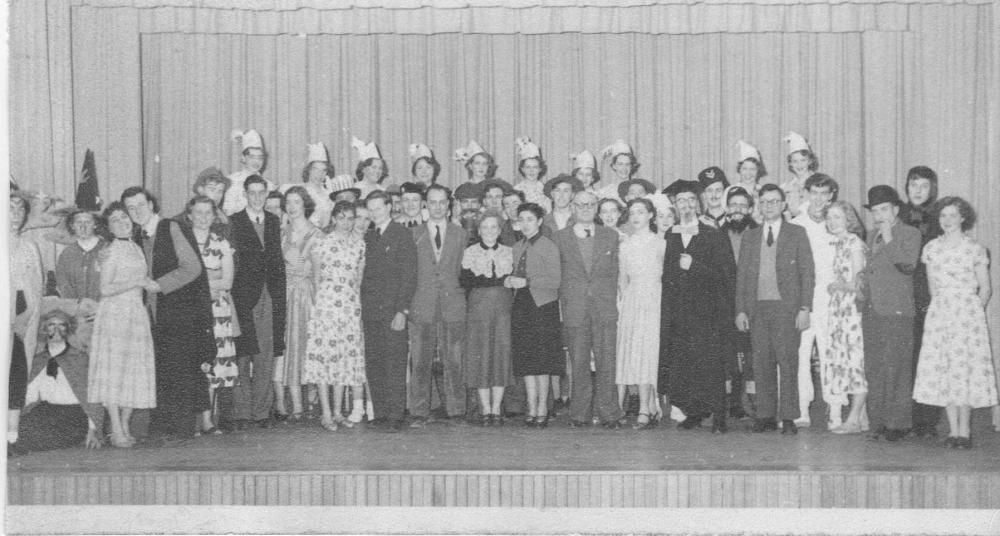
(697, 308)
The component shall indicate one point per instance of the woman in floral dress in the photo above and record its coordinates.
(335, 348)
(122, 373)
(217, 256)
(297, 240)
(955, 369)
(844, 365)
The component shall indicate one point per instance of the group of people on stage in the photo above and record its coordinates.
(409, 304)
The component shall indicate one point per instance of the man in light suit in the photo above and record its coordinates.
(588, 294)
(437, 313)
(774, 292)
(387, 289)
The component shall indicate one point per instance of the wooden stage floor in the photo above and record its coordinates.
(461, 465)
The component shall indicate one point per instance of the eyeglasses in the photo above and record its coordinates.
(585, 205)
(771, 202)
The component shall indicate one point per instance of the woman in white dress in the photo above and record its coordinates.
(532, 168)
(640, 273)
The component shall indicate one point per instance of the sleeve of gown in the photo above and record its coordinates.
(188, 263)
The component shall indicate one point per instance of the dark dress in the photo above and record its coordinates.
(697, 310)
(487, 345)
(536, 332)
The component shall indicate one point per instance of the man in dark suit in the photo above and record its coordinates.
(588, 294)
(437, 314)
(699, 274)
(894, 250)
(387, 289)
(774, 289)
(259, 298)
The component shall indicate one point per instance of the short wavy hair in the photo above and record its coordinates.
(649, 208)
(854, 224)
(432, 162)
(307, 201)
(811, 156)
(491, 169)
(359, 172)
(633, 163)
(330, 172)
(964, 209)
(543, 168)
(761, 170)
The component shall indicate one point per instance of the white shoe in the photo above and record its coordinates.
(676, 414)
(356, 414)
(802, 423)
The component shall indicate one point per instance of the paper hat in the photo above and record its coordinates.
(583, 159)
(796, 142)
(365, 150)
(247, 140)
(748, 151)
(527, 149)
(317, 152)
(616, 148)
(463, 154)
(419, 150)
(342, 183)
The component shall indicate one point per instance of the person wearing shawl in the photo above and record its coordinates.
(57, 414)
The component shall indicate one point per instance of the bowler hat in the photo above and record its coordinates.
(883, 193)
(574, 183)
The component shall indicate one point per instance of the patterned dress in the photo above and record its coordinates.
(299, 299)
(122, 371)
(844, 366)
(641, 262)
(223, 372)
(335, 349)
(955, 366)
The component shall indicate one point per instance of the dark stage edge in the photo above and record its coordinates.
(466, 466)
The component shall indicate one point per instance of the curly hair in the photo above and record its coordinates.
(965, 210)
(307, 201)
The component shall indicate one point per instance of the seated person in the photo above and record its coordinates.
(56, 413)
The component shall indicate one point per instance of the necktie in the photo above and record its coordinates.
(52, 368)
(878, 239)
(587, 230)
(437, 237)
(378, 232)
(145, 235)
(770, 236)
(259, 220)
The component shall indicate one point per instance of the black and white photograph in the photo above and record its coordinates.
(502, 266)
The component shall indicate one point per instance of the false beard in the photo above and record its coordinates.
(737, 224)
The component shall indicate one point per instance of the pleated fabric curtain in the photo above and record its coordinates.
(682, 101)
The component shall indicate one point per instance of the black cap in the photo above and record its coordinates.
(712, 175)
(683, 185)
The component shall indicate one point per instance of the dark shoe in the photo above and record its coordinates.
(295, 417)
(922, 431)
(737, 413)
(530, 422)
(542, 422)
(612, 425)
(396, 426)
(719, 425)
(578, 424)
(227, 426)
(279, 417)
(894, 435)
(963, 443)
(379, 422)
(763, 425)
(788, 428)
(690, 423)
(951, 442)
(498, 420)
(242, 424)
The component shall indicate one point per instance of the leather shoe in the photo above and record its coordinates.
(788, 428)
(577, 424)
(719, 425)
(419, 422)
(877, 434)
(963, 443)
(612, 425)
(690, 423)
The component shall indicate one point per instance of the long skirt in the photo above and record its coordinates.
(487, 354)
(536, 337)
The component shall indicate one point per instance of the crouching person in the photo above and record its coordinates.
(56, 414)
